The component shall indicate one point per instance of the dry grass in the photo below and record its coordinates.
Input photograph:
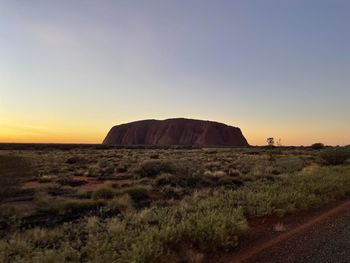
(175, 201)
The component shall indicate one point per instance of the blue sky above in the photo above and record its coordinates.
(69, 70)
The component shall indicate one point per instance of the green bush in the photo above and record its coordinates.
(182, 180)
(291, 193)
(288, 165)
(335, 156)
(153, 168)
(230, 182)
(120, 204)
(73, 206)
(103, 193)
(83, 194)
(164, 179)
(137, 193)
(45, 203)
(317, 146)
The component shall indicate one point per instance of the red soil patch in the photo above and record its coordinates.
(94, 183)
(264, 222)
(261, 236)
(32, 184)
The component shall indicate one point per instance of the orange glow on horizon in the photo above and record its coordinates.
(26, 130)
(95, 137)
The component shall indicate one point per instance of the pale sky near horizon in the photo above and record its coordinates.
(70, 70)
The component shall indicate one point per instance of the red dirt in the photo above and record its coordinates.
(94, 183)
(263, 222)
(261, 236)
(32, 184)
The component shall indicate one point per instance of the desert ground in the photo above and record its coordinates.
(95, 203)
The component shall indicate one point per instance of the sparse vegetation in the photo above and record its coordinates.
(153, 168)
(103, 193)
(335, 156)
(13, 171)
(159, 204)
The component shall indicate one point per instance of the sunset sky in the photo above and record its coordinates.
(70, 70)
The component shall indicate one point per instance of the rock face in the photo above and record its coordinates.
(175, 132)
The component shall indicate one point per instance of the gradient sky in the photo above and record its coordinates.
(70, 70)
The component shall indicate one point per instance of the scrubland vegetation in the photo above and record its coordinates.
(152, 205)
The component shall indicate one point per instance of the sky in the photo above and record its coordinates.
(70, 70)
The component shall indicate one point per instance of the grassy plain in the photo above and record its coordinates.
(96, 204)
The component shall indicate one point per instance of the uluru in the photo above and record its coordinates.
(178, 131)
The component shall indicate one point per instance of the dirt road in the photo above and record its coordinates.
(316, 237)
(324, 239)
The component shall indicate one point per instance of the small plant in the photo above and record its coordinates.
(103, 193)
(164, 179)
(83, 194)
(153, 168)
(230, 182)
(71, 181)
(120, 204)
(41, 199)
(74, 206)
(219, 174)
(46, 178)
(137, 193)
(234, 173)
(279, 227)
(75, 159)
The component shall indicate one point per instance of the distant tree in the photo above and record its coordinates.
(317, 146)
(279, 142)
(270, 142)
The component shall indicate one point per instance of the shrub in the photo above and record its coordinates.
(164, 179)
(153, 168)
(42, 200)
(140, 237)
(74, 206)
(103, 193)
(83, 194)
(219, 174)
(309, 188)
(317, 146)
(46, 178)
(120, 204)
(288, 165)
(335, 156)
(234, 173)
(186, 181)
(75, 159)
(173, 192)
(71, 181)
(230, 182)
(137, 193)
